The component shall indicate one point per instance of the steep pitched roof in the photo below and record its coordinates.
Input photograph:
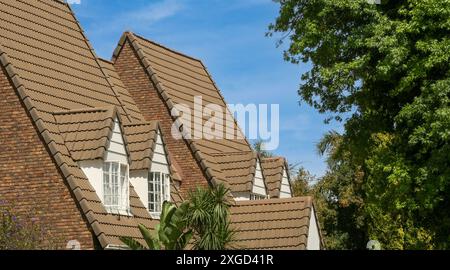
(122, 93)
(238, 168)
(273, 169)
(53, 68)
(63, 85)
(86, 132)
(272, 224)
(141, 142)
(179, 79)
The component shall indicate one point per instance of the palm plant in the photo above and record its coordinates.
(204, 218)
(208, 216)
(170, 233)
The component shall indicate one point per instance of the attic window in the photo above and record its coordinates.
(116, 187)
(158, 192)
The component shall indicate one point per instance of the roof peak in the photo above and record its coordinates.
(163, 46)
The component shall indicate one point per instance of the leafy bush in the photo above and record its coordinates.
(23, 231)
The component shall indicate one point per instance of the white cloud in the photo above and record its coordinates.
(155, 12)
(74, 2)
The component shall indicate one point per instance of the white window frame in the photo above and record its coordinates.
(123, 206)
(164, 181)
(257, 197)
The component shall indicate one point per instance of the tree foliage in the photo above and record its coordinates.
(25, 231)
(204, 219)
(209, 218)
(172, 232)
(386, 66)
(258, 146)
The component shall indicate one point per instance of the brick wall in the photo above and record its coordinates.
(153, 107)
(29, 179)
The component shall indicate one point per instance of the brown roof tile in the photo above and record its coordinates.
(73, 97)
(179, 78)
(141, 139)
(86, 133)
(273, 169)
(272, 224)
(238, 168)
(66, 88)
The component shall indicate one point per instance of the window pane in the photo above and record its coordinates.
(158, 190)
(163, 188)
(151, 207)
(124, 185)
(115, 184)
(166, 192)
(106, 183)
(151, 182)
(151, 192)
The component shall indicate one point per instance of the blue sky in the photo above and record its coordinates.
(229, 37)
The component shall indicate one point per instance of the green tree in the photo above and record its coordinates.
(258, 146)
(387, 67)
(301, 181)
(25, 230)
(339, 197)
(209, 217)
(204, 218)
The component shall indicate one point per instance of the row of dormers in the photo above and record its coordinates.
(113, 156)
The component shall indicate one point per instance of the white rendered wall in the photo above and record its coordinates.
(139, 179)
(258, 183)
(241, 196)
(116, 149)
(285, 190)
(93, 169)
(159, 159)
(313, 233)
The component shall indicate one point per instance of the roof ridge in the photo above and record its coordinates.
(164, 47)
(199, 155)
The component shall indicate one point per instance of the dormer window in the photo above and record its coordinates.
(116, 187)
(158, 192)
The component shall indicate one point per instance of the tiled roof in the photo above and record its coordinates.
(272, 224)
(53, 68)
(179, 78)
(141, 138)
(238, 168)
(273, 169)
(73, 97)
(141, 141)
(121, 92)
(182, 78)
(50, 52)
(86, 132)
